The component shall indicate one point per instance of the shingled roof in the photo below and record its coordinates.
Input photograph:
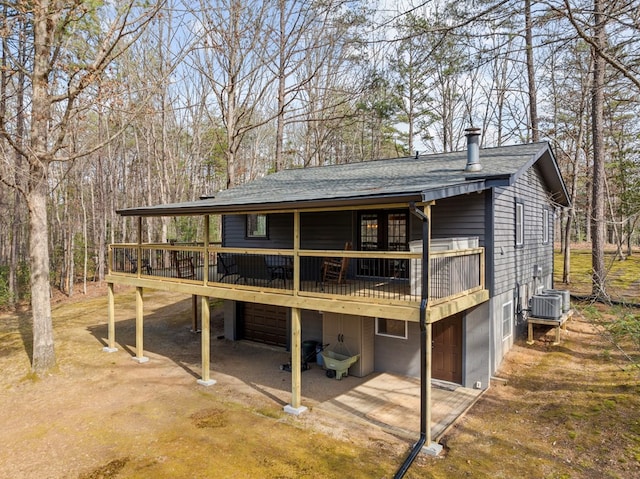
(417, 178)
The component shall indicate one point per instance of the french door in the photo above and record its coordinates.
(383, 231)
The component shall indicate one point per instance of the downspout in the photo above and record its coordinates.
(423, 344)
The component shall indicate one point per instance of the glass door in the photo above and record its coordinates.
(383, 231)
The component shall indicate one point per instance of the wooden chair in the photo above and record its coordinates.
(334, 270)
(185, 267)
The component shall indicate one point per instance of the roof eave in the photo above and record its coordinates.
(275, 207)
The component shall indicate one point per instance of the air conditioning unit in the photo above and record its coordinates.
(546, 306)
(564, 294)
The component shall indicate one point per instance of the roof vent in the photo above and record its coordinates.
(473, 150)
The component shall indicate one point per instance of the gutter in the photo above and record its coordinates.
(423, 345)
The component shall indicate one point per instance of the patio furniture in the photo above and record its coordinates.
(252, 269)
(185, 267)
(335, 269)
(146, 266)
(226, 265)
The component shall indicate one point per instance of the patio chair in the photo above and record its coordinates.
(146, 266)
(334, 270)
(226, 265)
(253, 269)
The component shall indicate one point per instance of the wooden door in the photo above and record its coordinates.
(446, 353)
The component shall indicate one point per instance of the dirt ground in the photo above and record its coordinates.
(568, 411)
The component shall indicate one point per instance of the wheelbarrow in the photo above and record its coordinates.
(337, 364)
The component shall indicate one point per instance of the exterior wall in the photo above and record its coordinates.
(460, 216)
(315, 232)
(513, 277)
(476, 329)
(399, 356)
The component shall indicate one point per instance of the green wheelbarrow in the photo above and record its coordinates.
(337, 365)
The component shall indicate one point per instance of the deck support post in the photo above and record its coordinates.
(295, 407)
(428, 381)
(139, 357)
(206, 342)
(194, 313)
(111, 321)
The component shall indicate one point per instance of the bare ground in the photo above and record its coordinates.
(568, 411)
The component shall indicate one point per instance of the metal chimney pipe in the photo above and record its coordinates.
(473, 150)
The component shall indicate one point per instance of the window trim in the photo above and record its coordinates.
(546, 216)
(255, 235)
(510, 305)
(519, 226)
(394, 336)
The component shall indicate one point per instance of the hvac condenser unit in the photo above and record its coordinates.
(546, 306)
(564, 294)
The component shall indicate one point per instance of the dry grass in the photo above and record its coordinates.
(567, 411)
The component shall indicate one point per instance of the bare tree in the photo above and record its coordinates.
(65, 61)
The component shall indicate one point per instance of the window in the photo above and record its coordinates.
(256, 226)
(507, 315)
(545, 226)
(392, 328)
(519, 224)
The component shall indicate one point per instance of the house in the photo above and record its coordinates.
(378, 258)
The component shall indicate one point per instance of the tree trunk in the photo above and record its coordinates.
(44, 357)
(533, 100)
(599, 194)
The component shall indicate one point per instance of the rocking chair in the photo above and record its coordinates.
(334, 270)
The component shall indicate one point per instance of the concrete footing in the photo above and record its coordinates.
(107, 349)
(141, 360)
(208, 382)
(432, 449)
(296, 411)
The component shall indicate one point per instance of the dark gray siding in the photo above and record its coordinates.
(460, 216)
(513, 268)
(516, 265)
(325, 230)
(280, 232)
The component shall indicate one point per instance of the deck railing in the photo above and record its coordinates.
(382, 275)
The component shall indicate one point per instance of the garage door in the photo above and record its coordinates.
(447, 349)
(264, 323)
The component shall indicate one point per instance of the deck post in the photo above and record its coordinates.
(139, 357)
(428, 380)
(295, 407)
(206, 341)
(111, 321)
(194, 313)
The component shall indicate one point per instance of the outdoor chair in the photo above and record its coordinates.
(334, 270)
(226, 265)
(146, 266)
(185, 267)
(253, 269)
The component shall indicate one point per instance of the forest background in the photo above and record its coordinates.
(106, 105)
